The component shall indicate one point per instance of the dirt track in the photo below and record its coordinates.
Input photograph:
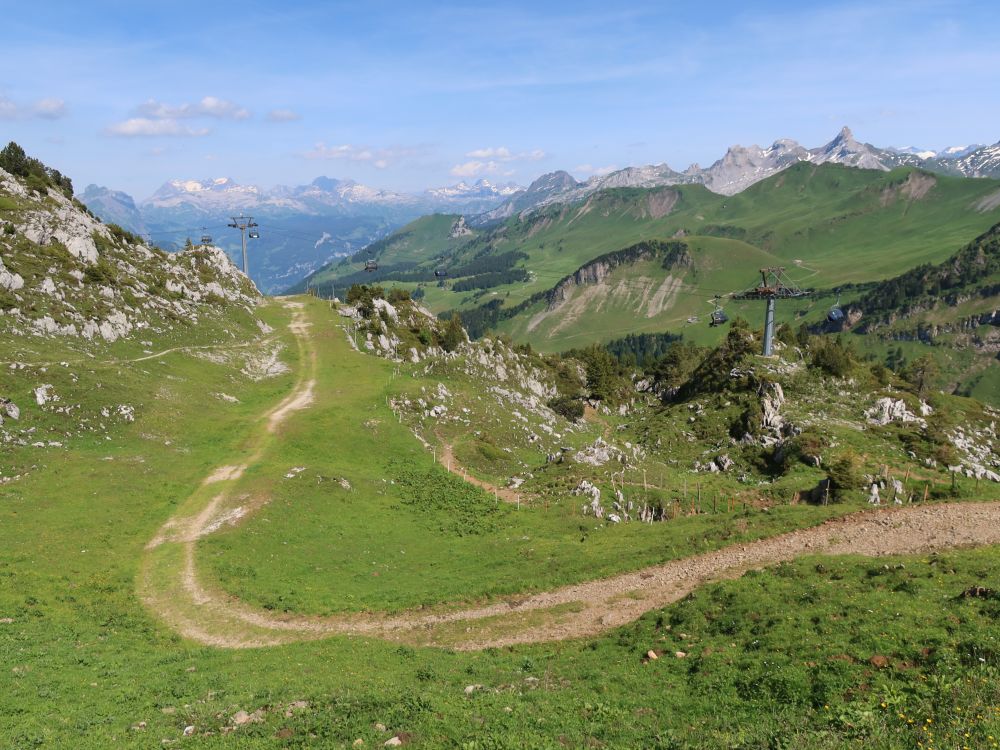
(172, 587)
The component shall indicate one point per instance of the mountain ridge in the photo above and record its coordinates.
(743, 166)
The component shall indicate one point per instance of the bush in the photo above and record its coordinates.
(397, 295)
(606, 378)
(568, 407)
(363, 297)
(101, 272)
(806, 447)
(453, 335)
(831, 356)
(845, 474)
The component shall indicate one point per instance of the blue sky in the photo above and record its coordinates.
(410, 95)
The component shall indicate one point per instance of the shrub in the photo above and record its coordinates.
(845, 474)
(831, 356)
(453, 335)
(568, 407)
(397, 295)
(101, 272)
(806, 447)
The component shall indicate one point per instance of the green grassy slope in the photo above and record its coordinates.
(89, 667)
(828, 224)
(421, 241)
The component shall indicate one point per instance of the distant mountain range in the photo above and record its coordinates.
(742, 166)
(307, 226)
(301, 227)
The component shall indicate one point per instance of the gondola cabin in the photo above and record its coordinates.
(371, 265)
(718, 318)
(440, 273)
(836, 313)
(206, 239)
(254, 234)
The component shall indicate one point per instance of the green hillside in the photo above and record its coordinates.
(422, 241)
(830, 225)
(137, 633)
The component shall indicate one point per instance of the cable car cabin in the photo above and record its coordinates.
(718, 318)
(371, 265)
(254, 234)
(835, 315)
(440, 273)
(206, 239)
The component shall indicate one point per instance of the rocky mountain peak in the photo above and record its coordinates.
(559, 180)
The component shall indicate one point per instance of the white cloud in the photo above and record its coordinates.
(46, 109)
(502, 153)
(380, 158)
(283, 115)
(49, 108)
(478, 168)
(592, 170)
(209, 106)
(143, 126)
(489, 160)
(344, 151)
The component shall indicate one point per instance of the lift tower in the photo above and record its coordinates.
(243, 223)
(773, 286)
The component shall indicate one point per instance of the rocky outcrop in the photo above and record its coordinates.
(674, 254)
(888, 409)
(64, 273)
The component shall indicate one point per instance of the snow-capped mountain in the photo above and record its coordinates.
(983, 162)
(844, 149)
(322, 194)
(742, 166)
(952, 152)
(957, 152)
(220, 193)
(546, 189)
(301, 227)
(478, 190)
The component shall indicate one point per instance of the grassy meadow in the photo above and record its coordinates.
(88, 665)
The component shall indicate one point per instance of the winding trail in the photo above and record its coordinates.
(447, 460)
(172, 587)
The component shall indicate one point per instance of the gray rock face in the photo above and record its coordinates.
(10, 409)
(123, 285)
(44, 394)
(887, 410)
(771, 399)
(740, 168)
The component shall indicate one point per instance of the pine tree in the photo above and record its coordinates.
(454, 335)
